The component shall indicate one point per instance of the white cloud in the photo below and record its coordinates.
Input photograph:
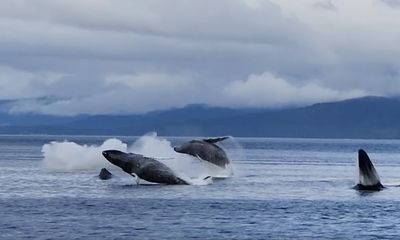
(15, 83)
(122, 94)
(146, 81)
(267, 90)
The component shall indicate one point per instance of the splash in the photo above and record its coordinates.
(151, 145)
(235, 153)
(72, 156)
(184, 166)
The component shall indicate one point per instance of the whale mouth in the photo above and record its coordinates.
(368, 176)
(113, 156)
(177, 149)
(105, 154)
(112, 153)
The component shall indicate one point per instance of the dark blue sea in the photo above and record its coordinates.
(282, 189)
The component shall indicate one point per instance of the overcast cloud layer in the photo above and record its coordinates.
(123, 56)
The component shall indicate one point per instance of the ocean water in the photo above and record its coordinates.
(282, 189)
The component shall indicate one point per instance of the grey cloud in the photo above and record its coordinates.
(392, 3)
(103, 56)
(230, 20)
(325, 4)
(257, 43)
(191, 36)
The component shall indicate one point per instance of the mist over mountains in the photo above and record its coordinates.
(367, 117)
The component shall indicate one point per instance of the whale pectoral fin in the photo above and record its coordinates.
(136, 177)
(182, 182)
(208, 177)
(215, 140)
(198, 157)
(133, 175)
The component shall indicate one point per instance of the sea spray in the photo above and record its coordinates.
(235, 153)
(72, 156)
(183, 165)
(150, 145)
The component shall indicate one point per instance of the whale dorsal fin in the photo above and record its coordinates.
(367, 173)
(215, 140)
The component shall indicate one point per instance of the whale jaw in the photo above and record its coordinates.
(368, 176)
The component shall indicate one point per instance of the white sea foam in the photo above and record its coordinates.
(72, 156)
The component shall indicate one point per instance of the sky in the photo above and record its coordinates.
(69, 57)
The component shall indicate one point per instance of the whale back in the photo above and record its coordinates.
(157, 172)
(143, 167)
(205, 151)
(368, 178)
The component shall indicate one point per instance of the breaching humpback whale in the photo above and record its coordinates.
(143, 167)
(206, 150)
(368, 177)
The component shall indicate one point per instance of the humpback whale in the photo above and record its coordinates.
(105, 174)
(368, 177)
(143, 167)
(206, 150)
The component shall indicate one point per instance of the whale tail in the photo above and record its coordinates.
(368, 176)
(215, 140)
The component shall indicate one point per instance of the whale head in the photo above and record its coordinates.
(178, 149)
(188, 147)
(129, 162)
(368, 176)
(182, 148)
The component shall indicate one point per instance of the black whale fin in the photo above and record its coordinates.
(105, 174)
(215, 140)
(208, 177)
(181, 181)
(368, 178)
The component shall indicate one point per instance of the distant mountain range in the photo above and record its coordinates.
(367, 117)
